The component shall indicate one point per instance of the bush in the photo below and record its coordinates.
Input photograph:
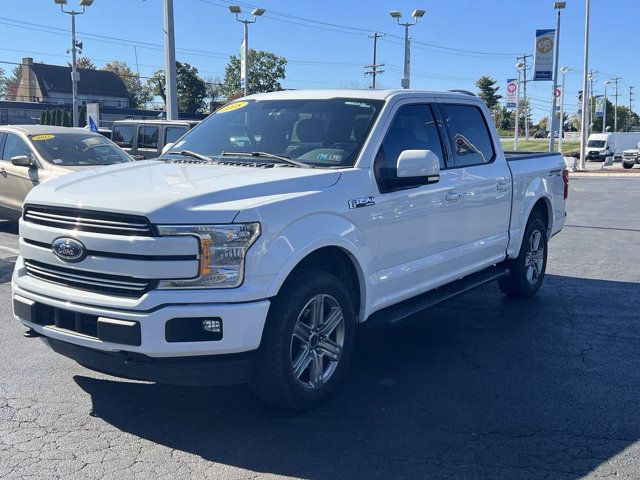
(572, 153)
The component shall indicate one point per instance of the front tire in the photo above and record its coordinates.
(627, 165)
(526, 272)
(307, 343)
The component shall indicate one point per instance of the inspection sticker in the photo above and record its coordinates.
(232, 106)
(38, 138)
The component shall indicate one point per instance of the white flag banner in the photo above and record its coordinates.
(512, 92)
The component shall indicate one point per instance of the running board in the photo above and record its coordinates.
(395, 314)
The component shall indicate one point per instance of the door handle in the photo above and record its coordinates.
(502, 186)
(452, 197)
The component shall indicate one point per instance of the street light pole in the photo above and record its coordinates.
(406, 77)
(75, 76)
(558, 6)
(564, 71)
(520, 67)
(584, 126)
(604, 115)
(244, 60)
(171, 82)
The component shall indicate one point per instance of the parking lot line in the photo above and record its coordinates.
(10, 250)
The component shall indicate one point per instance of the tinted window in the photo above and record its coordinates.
(77, 149)
(323, 133)
(596, 143)
(148, 137)
(413, 128)
(123, 135)
(15, 146)
(174, 133)
(470, 137)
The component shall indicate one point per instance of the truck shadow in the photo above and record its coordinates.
(481, 387)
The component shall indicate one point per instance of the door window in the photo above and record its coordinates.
(15, 146)
(413, 128)
(173, 134)
(469, 135)
(122, 135)
(148, 137)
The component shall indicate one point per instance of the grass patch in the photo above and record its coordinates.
(541, 145)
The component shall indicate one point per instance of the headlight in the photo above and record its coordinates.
(222, 252)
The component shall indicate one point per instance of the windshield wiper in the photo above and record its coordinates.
(189, 153)
(281, 158)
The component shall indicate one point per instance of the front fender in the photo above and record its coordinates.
(283, 250)
(527, 193)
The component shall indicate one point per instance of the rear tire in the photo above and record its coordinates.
(526, 272)
(627, 165)
(307, 343)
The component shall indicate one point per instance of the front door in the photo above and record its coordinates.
(419, 226)
(15, 181)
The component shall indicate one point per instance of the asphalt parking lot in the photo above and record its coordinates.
(479, 388)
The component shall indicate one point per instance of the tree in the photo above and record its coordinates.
(214, 92)
(489, 92)
(139, 93)
(10, 84)
(192, 90)
(84, 62)
(265, 72)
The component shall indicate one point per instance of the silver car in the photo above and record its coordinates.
(31, 154)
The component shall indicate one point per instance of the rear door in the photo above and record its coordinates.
(123, 135)
(485, 183)
(148, 139)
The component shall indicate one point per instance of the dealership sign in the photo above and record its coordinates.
(600, 106)
(512, 93)
(544, 53)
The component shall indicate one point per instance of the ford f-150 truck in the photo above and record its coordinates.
(254, 246)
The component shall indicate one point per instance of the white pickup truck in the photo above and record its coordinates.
(253, 247)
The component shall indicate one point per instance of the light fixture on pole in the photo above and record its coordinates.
(406, 77)
(604, 114)
(559, 6)
(75, 76)
(584, 126)
(564, 71)
(520, 68)
(244, 54)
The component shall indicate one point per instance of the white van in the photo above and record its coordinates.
(603, 145)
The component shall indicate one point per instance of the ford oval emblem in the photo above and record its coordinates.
(69, 249)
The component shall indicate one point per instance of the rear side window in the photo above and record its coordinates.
(174, 133)
(413, 128)
(469, 134)
(122, 135)
(148, 137)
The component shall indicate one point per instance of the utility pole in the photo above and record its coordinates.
(374, 68)
(171, 93)
(593, 74)
(524, 82)
(585, 115)
(631, 94)
(615, 81)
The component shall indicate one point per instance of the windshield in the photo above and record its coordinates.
(320, 133)
(78, 149)
(596, 143)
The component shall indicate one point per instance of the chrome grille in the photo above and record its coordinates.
(89, 281)
(88, 221)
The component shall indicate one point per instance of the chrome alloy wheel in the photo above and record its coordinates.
(317, 341)
(534, 259)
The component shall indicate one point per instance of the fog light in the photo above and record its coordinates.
(212, 325)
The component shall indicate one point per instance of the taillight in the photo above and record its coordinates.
(565, 180)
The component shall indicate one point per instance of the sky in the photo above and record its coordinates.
(327, 42)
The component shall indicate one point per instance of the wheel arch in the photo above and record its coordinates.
(540, 205)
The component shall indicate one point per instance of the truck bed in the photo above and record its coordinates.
(515, 156)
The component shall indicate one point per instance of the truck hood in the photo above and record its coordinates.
(168, 192)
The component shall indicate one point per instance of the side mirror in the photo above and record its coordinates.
(419, 163)
(167, 147)
(22, 161)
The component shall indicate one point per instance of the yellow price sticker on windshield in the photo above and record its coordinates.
(38, 138)
(232, 106)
